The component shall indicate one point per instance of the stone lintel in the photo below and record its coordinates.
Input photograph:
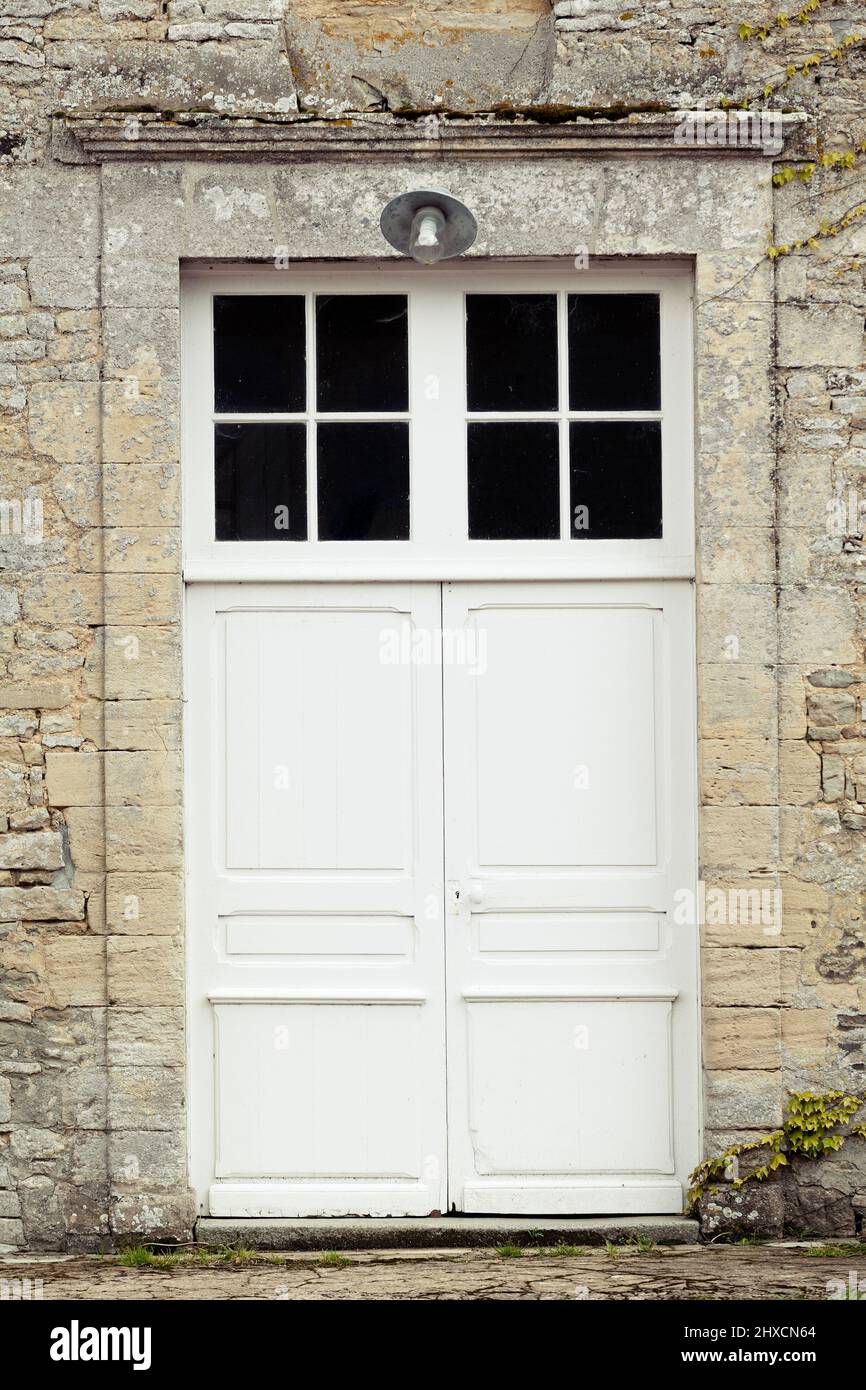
(129, 136)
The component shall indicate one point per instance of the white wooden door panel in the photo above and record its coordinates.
(569, 774)
(553, 796)
(317, 947)
(314, 720)
(335, 1092)
(440, 743)
(316, 902)
(535, 1108)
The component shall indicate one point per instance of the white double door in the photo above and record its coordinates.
(435, 838)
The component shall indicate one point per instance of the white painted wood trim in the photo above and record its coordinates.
(436, 569)
(592, 1197)
(278, 1198)
(314, 996)
(440, 548)
(478, 995)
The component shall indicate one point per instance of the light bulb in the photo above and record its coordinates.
(425, 242)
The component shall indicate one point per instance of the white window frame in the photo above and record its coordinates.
(439, 548)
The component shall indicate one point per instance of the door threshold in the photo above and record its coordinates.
(439, 1232)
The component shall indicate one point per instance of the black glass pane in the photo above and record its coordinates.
(363, 482)
(613, 352)
(261, 482)
(511, 352)
(513, 481)
(616, 479)
(259, 352)
(362, 352)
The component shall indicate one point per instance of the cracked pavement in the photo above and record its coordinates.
(778, 1271)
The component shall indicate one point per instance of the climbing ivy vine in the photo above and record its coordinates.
(812, 1128)
(825, 161)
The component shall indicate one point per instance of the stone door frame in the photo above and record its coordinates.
(309, 191)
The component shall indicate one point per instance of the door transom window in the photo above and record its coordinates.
(434, 419)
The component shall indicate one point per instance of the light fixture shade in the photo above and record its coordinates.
(458, 233)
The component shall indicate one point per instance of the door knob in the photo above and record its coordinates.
(476, 894)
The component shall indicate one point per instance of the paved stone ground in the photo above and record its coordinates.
(774, 1271)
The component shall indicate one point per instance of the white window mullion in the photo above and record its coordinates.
(261, 418)
(437, 405)
(677, 378)
(564, 481)
(312, 449)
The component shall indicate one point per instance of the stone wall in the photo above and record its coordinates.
(91, 991)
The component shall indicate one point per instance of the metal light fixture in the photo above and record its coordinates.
(428, 225)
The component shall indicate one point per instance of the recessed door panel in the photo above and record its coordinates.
(316, 900)
(570, 1086)
(564, 726)
(319, 741)
(569, 792)
(320, 1090)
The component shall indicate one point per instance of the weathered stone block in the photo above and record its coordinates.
(832, 777)
(155, 1158)
(736, 554)
(141, 904)
(816, 626)
(143, 838)
(64, 420)
(737, 624)
(791, 702)
(143, 779)
(737, 701)
(74, 779)
(54, 598)
(147, 1037)
(10, 1204)
(145, 1098)
(75, 970)
(142, 549)
(747, 1039)
(817, 1210)
(140, 280)
(142, 345)
(805, 1035)
(742, 838)
(820, 335)
(743, 1099)
(39, 849)
(755, 1209)
(738, 772)
(143, 724)
(831, 707)
(742, 911)
(144, 971)
(41, 904)
(156, 1215)
(739, 976)
(799, 773)
(34, 695)
(140, 428)
(86, 827)
(11, 1231)
(141, 495)
(142, 663)
(142, 598)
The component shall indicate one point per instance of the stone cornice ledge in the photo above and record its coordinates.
(131, 136)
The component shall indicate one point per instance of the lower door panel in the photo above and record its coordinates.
(570, 788)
